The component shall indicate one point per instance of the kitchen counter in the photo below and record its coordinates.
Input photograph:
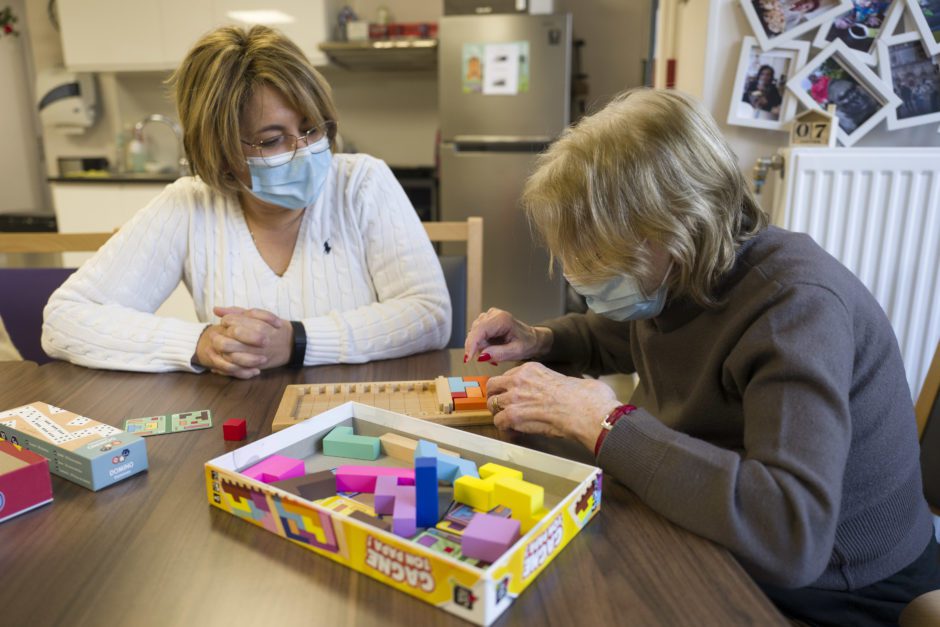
(160, 179)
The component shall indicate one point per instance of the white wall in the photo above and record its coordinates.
(20, 183)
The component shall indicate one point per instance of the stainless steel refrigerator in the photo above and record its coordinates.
(504, 96)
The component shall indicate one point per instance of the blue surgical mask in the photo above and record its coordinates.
(621, 298)
(291, 183)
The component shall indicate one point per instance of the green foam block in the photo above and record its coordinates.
(343, 442)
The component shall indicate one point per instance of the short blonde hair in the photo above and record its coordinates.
(216, 80)
(653, 167)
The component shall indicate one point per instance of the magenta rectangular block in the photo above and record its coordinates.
(488, 537)
(276, 468)
(362, 478)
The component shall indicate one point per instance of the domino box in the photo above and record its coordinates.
(87, 452)
(476, 592)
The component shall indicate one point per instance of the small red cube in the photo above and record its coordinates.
(234, 429)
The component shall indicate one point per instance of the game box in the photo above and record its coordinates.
(90, 453)
(471, 589)
(24, 481)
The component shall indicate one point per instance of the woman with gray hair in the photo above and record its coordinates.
(772, 414)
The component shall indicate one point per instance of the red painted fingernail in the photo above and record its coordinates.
(493, 363)
(484, 357)
(464, 358)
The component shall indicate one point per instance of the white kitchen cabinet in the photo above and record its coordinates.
(104, 207)
(130, 35)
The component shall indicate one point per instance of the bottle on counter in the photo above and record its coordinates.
(137, 153)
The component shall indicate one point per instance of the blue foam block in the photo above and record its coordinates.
(426, 503)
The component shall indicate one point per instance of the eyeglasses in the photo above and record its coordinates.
(274, 149)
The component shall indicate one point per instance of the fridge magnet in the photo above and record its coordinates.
(860, 26)
(778, 21)
(836, 76)
(472, 68)
(760, 98)
(926, 16)
(914, 74)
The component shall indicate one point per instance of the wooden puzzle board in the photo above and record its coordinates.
(429, 400)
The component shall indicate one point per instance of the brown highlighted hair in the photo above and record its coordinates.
(217, 78)
(649, 168)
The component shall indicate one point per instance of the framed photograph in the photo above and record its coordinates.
(926, 15)
(914, 74)
(760, 98)
(860, 26)
(775, 22)
(837, 76)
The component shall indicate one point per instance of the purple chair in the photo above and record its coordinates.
(24, 293)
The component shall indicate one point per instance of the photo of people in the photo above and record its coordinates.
(859, 27)
(764, 86)
(930, 11)
(915, 77)
(780, 16)
(831, 83)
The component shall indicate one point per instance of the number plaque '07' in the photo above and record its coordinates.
(814, 128)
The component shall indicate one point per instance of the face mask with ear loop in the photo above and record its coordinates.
(291, 183)
(621, 298)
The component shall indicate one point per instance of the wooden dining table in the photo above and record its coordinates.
(151, 551)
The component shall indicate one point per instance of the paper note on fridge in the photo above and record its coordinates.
(501, 68)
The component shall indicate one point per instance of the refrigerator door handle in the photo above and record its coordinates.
(499, 143)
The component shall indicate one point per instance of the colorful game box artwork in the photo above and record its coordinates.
(170, 423)
(24, 481)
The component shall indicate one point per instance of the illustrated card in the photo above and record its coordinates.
(169, 423)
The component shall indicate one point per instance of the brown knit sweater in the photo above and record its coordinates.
(780, 424)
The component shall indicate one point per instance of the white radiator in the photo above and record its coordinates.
(877, 210)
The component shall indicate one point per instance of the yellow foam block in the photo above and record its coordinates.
(477, 493)
(525, 499)
(495, 470)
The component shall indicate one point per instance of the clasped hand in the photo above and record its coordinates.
(245, 342)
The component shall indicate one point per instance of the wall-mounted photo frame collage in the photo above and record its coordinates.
(878, 60)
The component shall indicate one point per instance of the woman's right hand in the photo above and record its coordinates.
(497, 336)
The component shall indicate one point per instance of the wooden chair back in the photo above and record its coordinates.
(470, 232)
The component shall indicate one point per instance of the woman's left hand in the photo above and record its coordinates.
(534, 399)
(259, 331)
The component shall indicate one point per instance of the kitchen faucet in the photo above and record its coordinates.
(182, 163)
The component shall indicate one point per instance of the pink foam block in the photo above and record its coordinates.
(487, 537)
(362, 478)
(276, 468)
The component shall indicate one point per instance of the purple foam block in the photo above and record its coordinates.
(276, 468)
(386, 488)
(487, 537)
(403, 515)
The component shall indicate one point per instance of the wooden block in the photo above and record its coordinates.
(477, 493)
(455, 384)
(400, 447)
(481, 381)
(426, 505)
(445, 404)
(234, 429)
(474, 392)
(343, 442)
(466, 404)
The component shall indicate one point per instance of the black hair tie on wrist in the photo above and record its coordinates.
(299, 349)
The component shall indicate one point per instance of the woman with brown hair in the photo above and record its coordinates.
(293, 255)
(772, 414)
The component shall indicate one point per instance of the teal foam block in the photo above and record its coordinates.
(449, 468)
(456, 384)
(343, 442)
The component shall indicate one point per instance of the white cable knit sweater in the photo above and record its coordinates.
(364, 278)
